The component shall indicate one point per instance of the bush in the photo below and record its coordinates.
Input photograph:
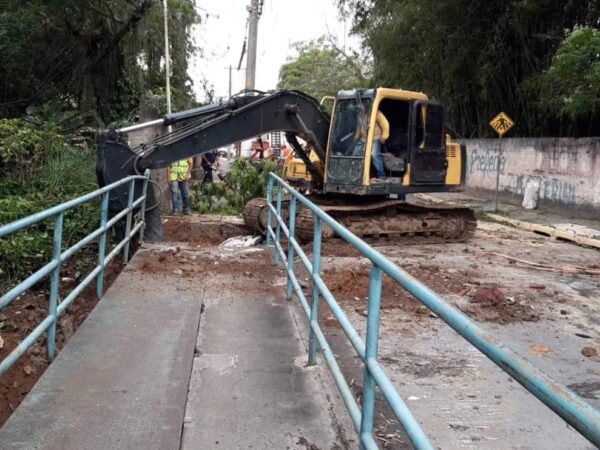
(23, 148)
(39, 169)
(245, 181)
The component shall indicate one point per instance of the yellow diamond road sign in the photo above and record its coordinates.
(501, 123)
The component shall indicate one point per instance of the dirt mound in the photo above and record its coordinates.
(488, 295)
(490, 304)
(202, 233)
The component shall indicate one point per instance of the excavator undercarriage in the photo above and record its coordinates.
(394, 221)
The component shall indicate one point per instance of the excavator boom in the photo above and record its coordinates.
(233, 121)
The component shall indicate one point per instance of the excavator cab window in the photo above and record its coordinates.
(348, 116)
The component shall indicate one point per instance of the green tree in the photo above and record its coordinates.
(571, 85)
(322, 69)
(101, 55)
(476, 57)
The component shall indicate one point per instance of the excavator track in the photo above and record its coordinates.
(392, 221)
(396, 221)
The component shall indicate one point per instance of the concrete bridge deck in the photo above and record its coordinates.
(191, 348)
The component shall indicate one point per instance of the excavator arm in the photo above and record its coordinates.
(239, 118)
(288, 111)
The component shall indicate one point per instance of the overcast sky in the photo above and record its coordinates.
(283, 22)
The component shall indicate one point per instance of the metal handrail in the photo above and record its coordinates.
(574, 410)
(52, 268)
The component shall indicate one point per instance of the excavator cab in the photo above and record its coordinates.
(417, 156)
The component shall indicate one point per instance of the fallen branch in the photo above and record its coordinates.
(559, 269)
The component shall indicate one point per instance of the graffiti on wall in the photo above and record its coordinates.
(551, 189)
(486, 162)
(568, 170)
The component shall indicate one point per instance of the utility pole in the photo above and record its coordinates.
(167, 59)
(229, 80)
(254, 9)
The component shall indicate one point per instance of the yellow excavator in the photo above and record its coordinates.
(332, 166)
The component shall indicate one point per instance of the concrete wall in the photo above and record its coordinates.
(568, 169)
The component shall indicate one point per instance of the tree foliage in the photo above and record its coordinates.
(321, 69)
(245, 181)
(571, 86)
(100, 55)
(482, 57)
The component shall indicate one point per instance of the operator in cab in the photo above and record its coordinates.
(380, 136)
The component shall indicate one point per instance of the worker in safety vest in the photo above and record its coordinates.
(178, 175)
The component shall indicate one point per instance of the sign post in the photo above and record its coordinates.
(501, 124)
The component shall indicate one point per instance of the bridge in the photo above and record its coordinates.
(209, 342)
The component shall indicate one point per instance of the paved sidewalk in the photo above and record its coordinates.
(545, 215)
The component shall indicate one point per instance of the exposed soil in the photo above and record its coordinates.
(185, 263)
(334, 247)
(486, 289)
(170, 261)
(483, 303)
(525, 306)
(489, 304)
(19, 318)
(201, 233)
(350, 287)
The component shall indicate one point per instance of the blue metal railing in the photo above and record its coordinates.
(575, 411)
(52, 269)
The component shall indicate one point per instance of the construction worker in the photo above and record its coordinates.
(286, 153)
(178, 175)
(209, 160)
(380, 136)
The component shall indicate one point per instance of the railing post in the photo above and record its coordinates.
(128, 222)
(102, 245)
(55, 284)
(314, 311)
(373, 308)
(278, 218)
(269, 213)
(290, 259)
(143, 206)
